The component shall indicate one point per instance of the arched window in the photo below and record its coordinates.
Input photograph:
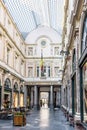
(84, 36)
(8, 83)
(15, 86)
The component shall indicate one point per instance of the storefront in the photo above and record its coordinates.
(16, 96)
(83, 72)
(21, 96)
(85, 85)
(7, 94)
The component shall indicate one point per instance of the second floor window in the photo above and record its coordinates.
(48, 71)
(30, 71)
(8, 55)
(30, 51)
(56, 70)
(37, 71)
(45, 72)
(56, 51)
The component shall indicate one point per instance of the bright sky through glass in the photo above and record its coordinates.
(29, 14)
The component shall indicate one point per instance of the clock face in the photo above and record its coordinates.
(43, 43)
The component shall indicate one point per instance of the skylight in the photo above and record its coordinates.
(29, 14)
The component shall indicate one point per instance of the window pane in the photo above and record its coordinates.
(38, 71)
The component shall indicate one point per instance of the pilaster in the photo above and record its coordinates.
(77, 114)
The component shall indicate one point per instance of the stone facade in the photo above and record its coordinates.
(75, 60)
(20, 71)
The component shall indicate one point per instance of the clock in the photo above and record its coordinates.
(43, 43)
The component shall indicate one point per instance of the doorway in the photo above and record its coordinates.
(44, 99)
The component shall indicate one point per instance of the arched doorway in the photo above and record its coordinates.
(7, 93)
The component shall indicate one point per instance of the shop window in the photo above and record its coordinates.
(6, 101)
(84, 36)
(85, 84)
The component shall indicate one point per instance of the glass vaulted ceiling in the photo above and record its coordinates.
(29, 14)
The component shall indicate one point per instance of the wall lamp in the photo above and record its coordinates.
(22, 80)
(62, 52)
(7, 71)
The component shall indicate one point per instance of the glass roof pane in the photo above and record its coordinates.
(29, 14)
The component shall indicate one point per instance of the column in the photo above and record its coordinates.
(77, 76)
(57, 98)
(12, 100)
(51, 97)
(19, 98)
(25, 96)
(32, 98)
(38, 100)
(35, 97)
(49, 100)
(62, 97)
(70, 98)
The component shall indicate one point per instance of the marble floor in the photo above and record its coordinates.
(44, 119)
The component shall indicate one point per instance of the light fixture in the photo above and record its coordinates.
(21, 80)
(64, 52)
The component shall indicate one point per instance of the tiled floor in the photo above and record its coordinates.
(44, 119)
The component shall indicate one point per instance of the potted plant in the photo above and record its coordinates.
(19, 119)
